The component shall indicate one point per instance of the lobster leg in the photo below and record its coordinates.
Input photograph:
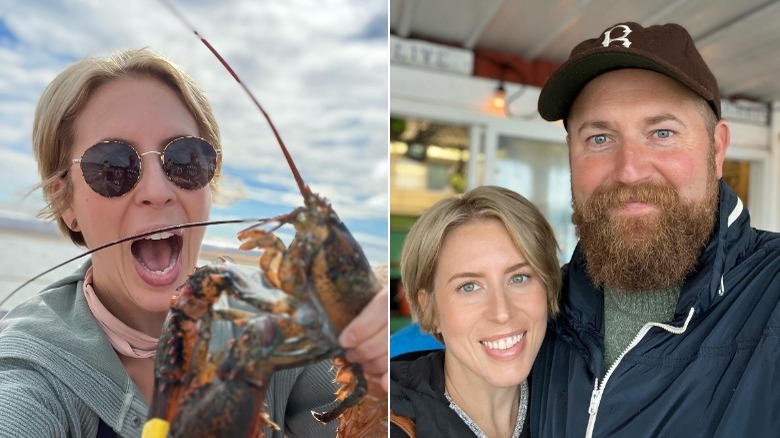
(276, 262)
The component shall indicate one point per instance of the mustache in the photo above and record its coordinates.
(618, 195)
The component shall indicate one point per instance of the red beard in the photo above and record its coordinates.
(651, 251)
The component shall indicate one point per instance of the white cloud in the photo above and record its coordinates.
(18, 178)
(323, 83)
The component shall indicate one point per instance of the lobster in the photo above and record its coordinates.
(319, 284)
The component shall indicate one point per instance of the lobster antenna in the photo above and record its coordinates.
(125, 239)
(301, 185)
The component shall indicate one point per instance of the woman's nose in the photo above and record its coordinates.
(499, 308)
(154, 188)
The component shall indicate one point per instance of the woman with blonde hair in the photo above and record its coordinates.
(128, 144)
(481, 275)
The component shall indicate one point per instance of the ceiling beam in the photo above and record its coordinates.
(488, 12)
(555, 32)
(767, 9)
(660, 17)
(405, 22)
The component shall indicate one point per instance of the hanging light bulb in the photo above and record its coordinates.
(499, 96)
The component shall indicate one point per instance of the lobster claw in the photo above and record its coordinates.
(352, 373)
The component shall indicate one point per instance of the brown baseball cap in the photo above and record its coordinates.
(666, 49)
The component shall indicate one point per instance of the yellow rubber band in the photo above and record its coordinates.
(156, 428)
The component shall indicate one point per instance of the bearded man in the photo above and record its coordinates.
(669, 319)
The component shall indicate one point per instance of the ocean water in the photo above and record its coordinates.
(29, 247)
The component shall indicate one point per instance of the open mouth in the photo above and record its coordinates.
(158, 252)
(503, 344)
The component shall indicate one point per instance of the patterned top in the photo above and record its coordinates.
(523, 409)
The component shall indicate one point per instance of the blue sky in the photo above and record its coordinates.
(320, 69)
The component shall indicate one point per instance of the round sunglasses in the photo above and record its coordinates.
(112, 168)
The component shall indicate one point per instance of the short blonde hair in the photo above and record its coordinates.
(524, 222)
(64, 99)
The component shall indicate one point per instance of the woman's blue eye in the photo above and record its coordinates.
(468, 287)
(519, 278)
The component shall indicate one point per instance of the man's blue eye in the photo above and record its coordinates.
(663, 133)
(599, 139)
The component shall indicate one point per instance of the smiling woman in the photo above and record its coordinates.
(481, 274)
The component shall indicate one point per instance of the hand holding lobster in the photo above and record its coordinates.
(365, 338)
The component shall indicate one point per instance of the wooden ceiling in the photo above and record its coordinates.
(739, 40)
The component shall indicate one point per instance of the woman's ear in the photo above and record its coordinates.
(73, 225)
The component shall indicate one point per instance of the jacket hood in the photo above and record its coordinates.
(58, 320)
(417, 392)
(55, 331)
(417, 380)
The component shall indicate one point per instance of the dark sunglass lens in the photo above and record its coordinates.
(111, 168)
(190, 162)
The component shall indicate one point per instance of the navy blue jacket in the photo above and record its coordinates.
(714, 370)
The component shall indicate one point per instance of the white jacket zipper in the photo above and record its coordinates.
(598, 390)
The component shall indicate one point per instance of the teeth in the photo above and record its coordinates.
(171, 263)
(164, 271)
(160, 236)
(503, 344)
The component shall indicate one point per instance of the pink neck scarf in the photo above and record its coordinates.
(126, 340)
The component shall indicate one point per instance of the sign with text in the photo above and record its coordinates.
(430, 55)
(745, 111)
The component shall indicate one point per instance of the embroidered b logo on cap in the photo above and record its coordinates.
(608, 36)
